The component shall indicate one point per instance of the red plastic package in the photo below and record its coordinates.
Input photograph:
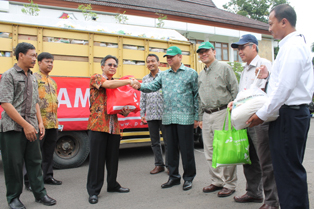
(124, 96)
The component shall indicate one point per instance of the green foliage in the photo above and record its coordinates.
(87, 12)
(312, 47)
(121, 18)
(254, 9)
(30, 9)
(237, 68)
(161, 18)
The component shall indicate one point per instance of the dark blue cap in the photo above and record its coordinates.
(248, 38)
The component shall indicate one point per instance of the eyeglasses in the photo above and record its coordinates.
(242, 47)
(203, 51)
(112, 65)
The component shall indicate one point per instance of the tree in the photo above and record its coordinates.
(87, 12)
(30, 9)
(121, 18)
(254, 9)
(161, 18)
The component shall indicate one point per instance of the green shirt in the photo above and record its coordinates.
(218, 86)
(180, 92)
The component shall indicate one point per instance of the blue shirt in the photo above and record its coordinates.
(180, 92)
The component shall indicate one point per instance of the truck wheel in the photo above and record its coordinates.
(71, 150)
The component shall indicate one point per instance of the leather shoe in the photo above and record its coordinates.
(121, 190)
(52, 181)
(46, 200)
(265, 206)
(246, 198)
(157, 169)
(170, 183)
(187, 185)
(28, 187)
(16, 204)
(211, 188)
(225, 192)
(93, 199)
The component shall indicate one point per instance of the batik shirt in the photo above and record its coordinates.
(180, 92)
(48, 100)
(99, 120)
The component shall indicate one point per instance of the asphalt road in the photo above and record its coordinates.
(134, 167)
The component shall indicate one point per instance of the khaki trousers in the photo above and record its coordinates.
(221, 176)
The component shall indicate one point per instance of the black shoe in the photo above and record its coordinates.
(93, 199)
(16, 204)
(46, 200)
(52, 181)
(121, 190)
(28, 187)
(187, 185)
(170, 183)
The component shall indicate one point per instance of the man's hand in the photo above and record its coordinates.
(254, 121)
(125, 111)
(196, 124)
(263, 72)
(143, 119)
(41, 131)
(30, 132)
(200, 124)
(230, 105)
(136, 84)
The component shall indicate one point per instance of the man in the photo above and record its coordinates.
(152, 105)
(20, 122)
(179, 91)
(259, 175)
(104, 132)
(218, 86)
(290, 90)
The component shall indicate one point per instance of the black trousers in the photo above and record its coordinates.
(47, 146)
(180, 138)
(288, 135)
(104, 150)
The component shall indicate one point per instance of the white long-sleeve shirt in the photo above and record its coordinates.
(291, 81)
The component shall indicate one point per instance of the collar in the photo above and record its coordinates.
(211, 66)
(106, 77)
(20, 70)
(182, 67)
(150, 74)
(253, 62)
(43, 75)
(286, 39)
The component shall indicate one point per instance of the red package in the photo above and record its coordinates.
(124, 96)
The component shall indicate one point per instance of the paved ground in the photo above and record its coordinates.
(134, 168)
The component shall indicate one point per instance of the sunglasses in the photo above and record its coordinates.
(112, 65)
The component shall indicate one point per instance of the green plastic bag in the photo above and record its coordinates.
(230, 147)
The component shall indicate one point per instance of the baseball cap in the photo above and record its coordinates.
(172, 51)
(205, 45)
(245, 39)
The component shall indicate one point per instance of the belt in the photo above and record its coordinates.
(295, 107)
(215, 110)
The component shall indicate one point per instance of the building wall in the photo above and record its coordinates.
(266, 48)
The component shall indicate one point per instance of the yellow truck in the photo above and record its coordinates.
(77, 56)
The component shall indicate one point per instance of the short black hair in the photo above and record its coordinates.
(22, 48)
(153, 55)
(44, 55)
(103, 61)
(285, 11)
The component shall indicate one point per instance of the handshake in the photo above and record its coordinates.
(135, 84)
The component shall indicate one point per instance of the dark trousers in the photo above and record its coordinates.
(104, 149)
(260, 174)
(288, 135)
(154, 127)
(47, 146)
(180, 138)
(16, 150)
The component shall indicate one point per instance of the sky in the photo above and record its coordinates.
(305, 16)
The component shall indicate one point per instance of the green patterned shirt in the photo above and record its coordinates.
(180, 92)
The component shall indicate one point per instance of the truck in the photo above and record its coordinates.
(77, 54)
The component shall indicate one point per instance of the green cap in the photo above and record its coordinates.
(205, 45)
(172, 51)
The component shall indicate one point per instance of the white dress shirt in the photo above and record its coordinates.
(291, 81)
(248, 73)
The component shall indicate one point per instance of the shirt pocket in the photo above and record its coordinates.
(20, 86)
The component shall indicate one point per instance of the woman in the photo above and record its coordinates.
(104, 132)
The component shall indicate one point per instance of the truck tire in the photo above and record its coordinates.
(71, 150)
